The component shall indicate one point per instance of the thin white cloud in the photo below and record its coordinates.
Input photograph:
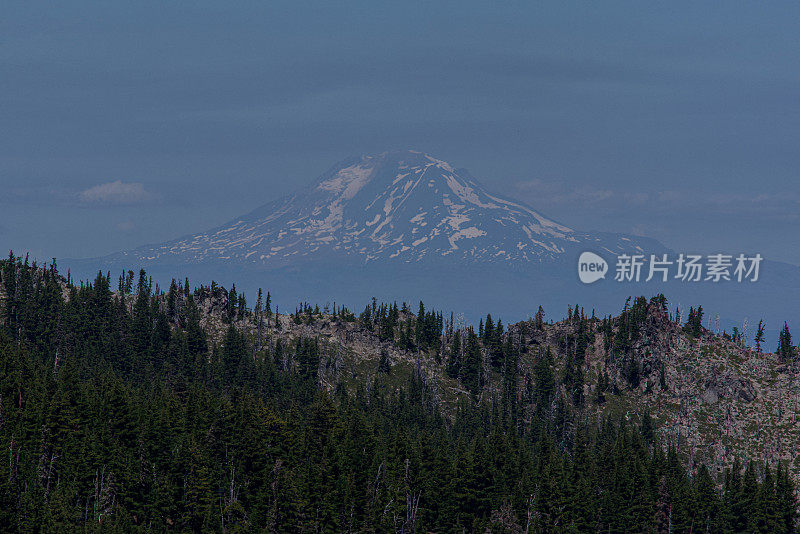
(116, 193)
(558, 193)
(541, 194)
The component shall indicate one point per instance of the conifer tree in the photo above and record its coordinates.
(471, 368)
(759, 339)
(785, 350)
(545, 385)
(538, 321)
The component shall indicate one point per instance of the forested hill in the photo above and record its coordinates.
(127, 407)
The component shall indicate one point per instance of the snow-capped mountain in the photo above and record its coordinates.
(407, 226)
(397, 207)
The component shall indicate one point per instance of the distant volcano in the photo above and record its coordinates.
(407, 226)
(398, 207)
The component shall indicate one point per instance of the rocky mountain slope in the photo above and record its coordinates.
(713, 398)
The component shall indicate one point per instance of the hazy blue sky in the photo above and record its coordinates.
(123, 124)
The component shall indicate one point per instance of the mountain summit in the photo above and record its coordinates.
(398, 207)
